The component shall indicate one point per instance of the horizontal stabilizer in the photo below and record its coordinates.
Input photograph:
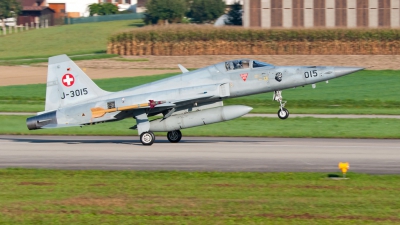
(50, 126)
(183, 69)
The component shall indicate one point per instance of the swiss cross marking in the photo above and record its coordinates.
(68, 80)
(244, 76)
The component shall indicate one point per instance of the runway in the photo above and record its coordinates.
(200, 154)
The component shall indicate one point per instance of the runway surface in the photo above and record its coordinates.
(200, 154)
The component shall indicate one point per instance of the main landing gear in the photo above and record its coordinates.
(174, 136)
(148, 138)
(283, 113)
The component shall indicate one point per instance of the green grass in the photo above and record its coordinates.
(69, 39)
(30, 196)
(251, 127)
(14, 62)
(365, 92)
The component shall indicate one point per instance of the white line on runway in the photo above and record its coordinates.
(339, 116)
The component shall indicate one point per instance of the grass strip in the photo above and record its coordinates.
(38, 196)
(74, 39)
(242, 127)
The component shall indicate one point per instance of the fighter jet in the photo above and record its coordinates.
(193, 98)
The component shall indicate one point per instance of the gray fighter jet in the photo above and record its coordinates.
(186, 100)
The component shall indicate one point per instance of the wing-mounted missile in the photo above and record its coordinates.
(153, 104)
(98, 112)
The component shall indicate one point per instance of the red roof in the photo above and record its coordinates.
(34, 8)
(32, 2)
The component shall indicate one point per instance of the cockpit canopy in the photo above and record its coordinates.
(244, 64)
(257, 64)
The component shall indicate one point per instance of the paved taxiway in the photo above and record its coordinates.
(200, 154)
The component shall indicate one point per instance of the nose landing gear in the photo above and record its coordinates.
(283, 113)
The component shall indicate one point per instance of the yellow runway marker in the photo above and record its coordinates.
(344, 167)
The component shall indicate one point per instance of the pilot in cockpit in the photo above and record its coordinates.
(238, 65)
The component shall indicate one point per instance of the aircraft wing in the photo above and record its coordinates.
(197, 94)
(191, 100)
(165, 105)
(180, 102)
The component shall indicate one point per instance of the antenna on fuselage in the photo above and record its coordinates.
(183, 69)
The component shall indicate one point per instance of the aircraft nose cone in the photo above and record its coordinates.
(341, 71)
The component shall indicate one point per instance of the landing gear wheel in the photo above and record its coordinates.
(174, 136)
(147, 138)
(154, 136)
(283, 113)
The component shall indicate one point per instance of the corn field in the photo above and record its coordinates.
(206, 40)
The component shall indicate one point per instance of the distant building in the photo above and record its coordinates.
(79, 8)
(141, 6)
(321, 13)
(36, 12)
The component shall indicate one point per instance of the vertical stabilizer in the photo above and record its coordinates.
(67, 84)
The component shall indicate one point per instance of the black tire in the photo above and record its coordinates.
(147, 138)
(283, 114)
(154, 136)
(174, 136)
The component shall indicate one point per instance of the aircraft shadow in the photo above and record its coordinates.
(135, 141)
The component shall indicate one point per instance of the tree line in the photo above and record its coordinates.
(179, 11)
(186, 11)
(8, 9)
(157, 11)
